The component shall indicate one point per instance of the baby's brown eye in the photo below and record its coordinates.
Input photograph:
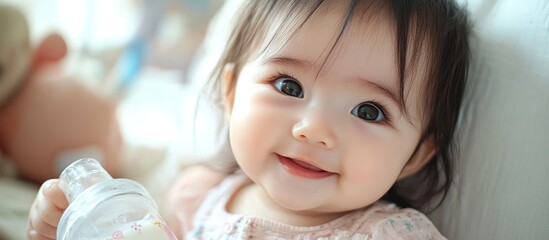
(369, 112)
(289, 87)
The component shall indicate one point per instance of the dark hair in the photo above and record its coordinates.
(431, 34)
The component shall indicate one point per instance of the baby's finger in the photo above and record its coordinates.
(47, 211)
(52, 192)
(34, 235)
(47, 201)
(39, 229)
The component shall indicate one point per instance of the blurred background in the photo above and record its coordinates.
(147, 57)
(137, 50)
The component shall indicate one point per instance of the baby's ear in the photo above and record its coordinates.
(424, 153)
(52, 49)
(229, 85)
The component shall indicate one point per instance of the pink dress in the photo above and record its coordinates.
(381, 220)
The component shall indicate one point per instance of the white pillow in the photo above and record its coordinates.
(502, 188)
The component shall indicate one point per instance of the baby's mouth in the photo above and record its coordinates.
(303, 169)
(308, 166)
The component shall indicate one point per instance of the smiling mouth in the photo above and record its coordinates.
(302, 169)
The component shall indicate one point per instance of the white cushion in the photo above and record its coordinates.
(502, 187)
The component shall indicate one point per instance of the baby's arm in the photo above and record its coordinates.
(46, 211)
(187, 193)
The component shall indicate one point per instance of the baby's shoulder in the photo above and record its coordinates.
(387, 221)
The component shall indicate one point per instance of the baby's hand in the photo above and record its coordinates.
(46, 211)
(186, 195)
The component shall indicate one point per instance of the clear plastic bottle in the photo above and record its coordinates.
(101, 207)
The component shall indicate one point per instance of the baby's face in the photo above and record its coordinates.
(325, 139)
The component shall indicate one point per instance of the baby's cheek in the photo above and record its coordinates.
(246, 133)
(368, 179)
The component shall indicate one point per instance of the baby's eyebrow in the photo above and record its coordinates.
(287, 61)
(380, 88)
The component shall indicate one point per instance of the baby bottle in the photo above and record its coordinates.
(101, 207)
